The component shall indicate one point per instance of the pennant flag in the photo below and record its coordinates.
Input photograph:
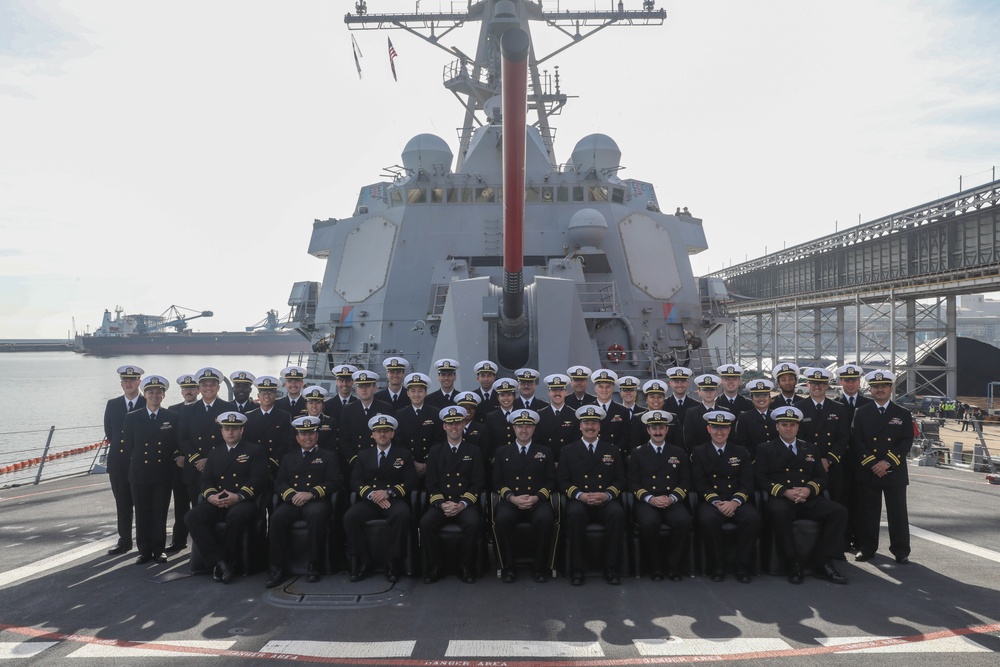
(392, 59)
(357, 54)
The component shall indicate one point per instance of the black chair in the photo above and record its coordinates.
(523, 547)
(636, 541)
(702, 556)
(378, 537)
(593, 545)
(807, 533)
(252, 557)
(451, 538)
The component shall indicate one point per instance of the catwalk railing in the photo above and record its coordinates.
(31, 457)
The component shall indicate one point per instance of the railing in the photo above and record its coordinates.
(32, 457)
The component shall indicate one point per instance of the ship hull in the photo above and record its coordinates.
(207, 343)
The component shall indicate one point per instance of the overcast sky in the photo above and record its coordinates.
(177, 153)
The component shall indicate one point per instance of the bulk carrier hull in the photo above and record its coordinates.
(207, 343)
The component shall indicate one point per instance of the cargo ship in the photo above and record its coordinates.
(168, 333)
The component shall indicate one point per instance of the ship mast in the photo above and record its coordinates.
(475, 80)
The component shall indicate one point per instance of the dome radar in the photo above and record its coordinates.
(598, 152)
(427, 152)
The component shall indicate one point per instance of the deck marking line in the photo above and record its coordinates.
(965, 547)
(11, 650)
(45, 493)
(17, 574)
(122, 652)
(700, 646)
(458, 648)
(575, 662)
(943, 645)
(317, 649)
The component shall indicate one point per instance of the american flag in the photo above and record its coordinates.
(392, 59)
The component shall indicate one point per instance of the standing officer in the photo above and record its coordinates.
(722, 474)
(755, 426)
(294, 378)
(791, 473)
(315, 396)
(730, 399)
(306, 481)
(418, 427)
(268, 426)
(395, 393)
(786, 375)
(497, 429)
(233, 475)
(355, 434)
(454, 481)
(825, 424)
(473, 430)
(591, 474)
(527, 382)
(849, 376)
(628, 390)
(557, 423)
(199, 431)
(659, 476)
(182, 501)
(677, 403)
(654, 391)
(118, 461)
(382, 477)
(524, 476)
(615, 424)
(578, 396)
(447, 371)
(883, 435)
(695, 432)
(486, 375)
(150, 438)
(242, 382)
(345, 391)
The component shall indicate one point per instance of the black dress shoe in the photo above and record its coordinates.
(611, 576)
(903, 560)
(432, 575)
(508, 576)
(576, 579)
(674, 576)
(862, 557)
(143, 559)
(830, 574)
(391, 573)
(360, 572)
(742, 576)
(216, 573)
(174, 547)
(120, 549)
(657, 575)
(540, 577)
(312, 575)
(718, 575)
(795, 574)
(276, 578)
(225, 571)
(159, 558)
(467, 577)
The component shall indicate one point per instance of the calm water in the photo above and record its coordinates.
(69, 391)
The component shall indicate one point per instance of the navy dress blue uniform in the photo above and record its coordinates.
(487, 404)
(398, 477)
(666, 473)
(401, 400)
(580, 471)
(829, 428)
(497, 433)
(151, 441)
(576, 402)
(272, 431)
(850, 465)
(777, 469)
(438, 399)
(198, 435)
(333, 406)
(781, 401)
(533, 473)
(753, 428)
(179, 490)
(294, 408)
(418, 432)
(883, 437)
(244, 408)
(695, 426)
(355, 436)
(737, 404)
(555, 431)
(456, 476)
(318, 472)
(118, 463)
(615, 426)
(536, 404)
(241, 470)
(724, 477)
(678, 408)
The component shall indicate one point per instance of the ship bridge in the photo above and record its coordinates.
(880, 294)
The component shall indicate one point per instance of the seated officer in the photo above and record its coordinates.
(383, 477)
(524, 475)
(591, 475)
(722, 474)
(791, 472)
(659, 476)
(454, 481)
(306, 480)
(233, 476)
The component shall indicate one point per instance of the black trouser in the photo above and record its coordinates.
(151, 502)
(870, 516)
(649, 519)
(201, 520)
(833, 517)
(316, 514)
(543, 523)
(182, 503)
(747, 521)
(122, 491)
(470, 520)
(397, 518)
(611, 514)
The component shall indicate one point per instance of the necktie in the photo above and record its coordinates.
(680, 403)
(555, 413)
(591, 448)
(207, 407)
(454, 450)
(394, 397)
(659, 450)
(881, 409)
(381, 459)
(130, 406)
(366, 412)
(344, 401)
(721, 452)
(763, 416)
(851, 399)
(791, 448)
(417, 413)
(524, 453)
(788, 401)
(152, 416)
(819, 408)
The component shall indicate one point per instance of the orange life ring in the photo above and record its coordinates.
(616, 354)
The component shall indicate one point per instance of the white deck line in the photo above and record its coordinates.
(26, 572)
(702, 646)
(402, 649)
(514, 648)
(942, 645)
(964, 547)
(103, 651)
(19, 650)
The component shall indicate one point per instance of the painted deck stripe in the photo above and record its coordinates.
(964, 547)
(699, 646)
(21, 573)
(9, 650)
(522, 649)
(943, 645)
(341, 649)
(126, 652)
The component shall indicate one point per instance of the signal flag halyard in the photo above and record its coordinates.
(392, 59)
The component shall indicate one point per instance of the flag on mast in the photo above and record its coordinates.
(392, 59)
(357, 54)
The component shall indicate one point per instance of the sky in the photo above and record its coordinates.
(158, 154)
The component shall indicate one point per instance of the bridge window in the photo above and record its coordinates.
(454, 195)
(485, 196)
(562, 193)
(617, 196)
(395, 198)
(437, 195)
(599, 193)
(578, 193)
(416, 196)
(532, 195)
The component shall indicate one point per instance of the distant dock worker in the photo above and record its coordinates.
(307, 478)
(883, 434)
(150, 437)
(233, 476)
(447, 372)
(118, 460)
(199, 431)
(294, 378)
(395, 393)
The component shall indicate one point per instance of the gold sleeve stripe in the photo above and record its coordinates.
(436, 497)
(895, 459)
(868, 459)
